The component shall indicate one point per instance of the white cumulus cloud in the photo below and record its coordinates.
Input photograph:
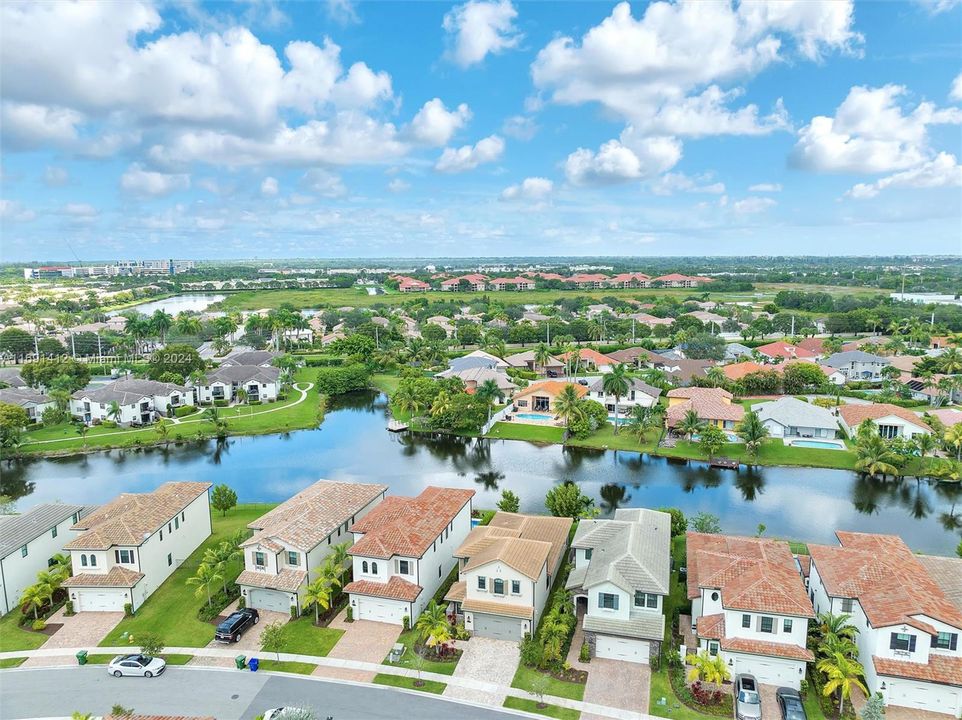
(520, 127)
(434, 124)
(955, 93)
(269, 186)
(942, 171)
(752, 205)
(532, 188)
(630, 158)
(138, 181)
(670, 183)
(480, 27)
(766, 187)
(468, 157)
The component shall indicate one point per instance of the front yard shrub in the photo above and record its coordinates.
(68, 609)
(108, 424)
(184, 410)
(39, 625)
(241, 602)
(350, 614)
(128, 610)
(406, 623)
(530, 651)
(294, 612)
(584, 655)
(218, 601)
(220, 403)
(718, 703)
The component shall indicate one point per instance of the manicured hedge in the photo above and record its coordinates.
(340, 380)
(184, 410)
(323, 361)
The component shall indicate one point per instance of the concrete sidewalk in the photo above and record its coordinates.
(55, 654)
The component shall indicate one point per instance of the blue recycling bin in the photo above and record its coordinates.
(253, 664)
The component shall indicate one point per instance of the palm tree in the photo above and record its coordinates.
(715, 376)
(875, 458)
(838, 625)
(220, 558)
(953, 438)
(833, 644)
(35, 596)
(753, 432)
(318, 594)
(338, 559)
(163, 431)
(203, 579)
(82, 430)
(568, 404)
(432, 626)
(113, 411)
(843, 674)
(406, 401)
(707, 668)
(495, 345)
(641, 419)
(924, 443)
(487, 391)
(690, 424)
(542, 355)
(61, 564)
(160, 322)
(617, 383)
(187, 324)
(441, 404)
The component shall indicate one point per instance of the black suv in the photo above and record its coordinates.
(790, 703)
(232, 629)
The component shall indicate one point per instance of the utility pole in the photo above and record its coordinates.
(793, 326)
(100, 350)
(632, 330)
(36, 345)
(73, 347)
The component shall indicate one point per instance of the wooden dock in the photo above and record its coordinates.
(396, 426)
(724, 463)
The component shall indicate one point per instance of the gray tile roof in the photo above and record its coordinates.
(647, 625)
(243, 373)
(841, 359)
(23, 396)
(127, 391)
(11, 376)
(250, 357)
(469, 363)
(634, 384)
(17, 530)
(632, 550)
(792, 412)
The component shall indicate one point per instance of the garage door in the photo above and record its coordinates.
(497, 627)
(923, 696)
(101, 601)
(769, 671)
(269, 600)
(380, 610)
(615, 648)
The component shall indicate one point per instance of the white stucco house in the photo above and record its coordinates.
(891, 420)
(32, 401)
(261, 383)
(857, 365)
(908, 639)
(124, 550)
(140, 401)
(639, 393)
(403, 550)
(749, 605)
(27, 544)
(788, 417)
(292, 540)
(506, 569)
(620, 581)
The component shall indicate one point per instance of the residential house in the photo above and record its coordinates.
(591, 359)
(32, 401)
(738, 370)
(262, 358)
(442, 322)
(125, 549)
(712, 320)
(474, 282)
(834, 376)
(291, 541)
(28, 542)
(511, 283)
(857, 365)
(780, 350)
(712, 405)
(532, 317)
(11, 377)
(813, 344)
(677, 280)
(871, 342)
(629, 280)
(637, 356)
(649, 320)
(905, 364)
(403, 549)
(588, 281)
(892, 421)
(139, 401)
(598, 309)
(946, 572)
(505, 573)
(681, 372)
(492, 360)
(526, 360)
(261, 384)
(749, 605)
(908, 639)
(473, 377)
(947, 416)
(788, 418)
(541, 397)
(639, 393)
(410, 285)
(620, 582)
(736, 351)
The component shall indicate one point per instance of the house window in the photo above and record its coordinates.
(124, 557)
(713, 648)
(588, 554)
(607, 601)
(515, 587)
(53, 531)
(404, 567)
(23, 551)
(293, 558)
(945, 641)
(767, 625)
(364, 566)
(93, 561)
(902, 642)
(176, 523)
(498, 586)
(847, 605)
(170, 527)
(373, 568)
(260, 559)
(746, 621)
(170, 559)
(482, 582)
(642, 599)
(83, 560)
(183, 516)
(328, 539)
(786, 626)
(439, 571)
(161, 534)
(75, 518)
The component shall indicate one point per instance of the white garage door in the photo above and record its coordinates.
(497, 627)
(103, 601)
(924, 696)
(380, 610)
(269, 600)
(615, 648)
(769, 671)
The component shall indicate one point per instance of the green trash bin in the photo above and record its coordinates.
(240, 662)
(82, 657)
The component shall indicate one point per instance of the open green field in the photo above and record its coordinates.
(171, 611)
(531, 706)
(399, 681)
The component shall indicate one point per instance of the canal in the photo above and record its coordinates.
(352, 444)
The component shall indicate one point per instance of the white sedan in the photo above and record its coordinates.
(136, 666)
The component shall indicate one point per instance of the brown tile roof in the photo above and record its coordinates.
(708, 403)
(396, 588)
(552, 530)
(528, 557)
(131, 518)
(905, 363)
(458, 592)
(551, 387)
(805, 564)
(947, 416)
(498, 608)
(287, 580)
(943, 669)
(784, 350)
(771, 649)
(592, 356)
(117, 577)
(683, 370)
(854, 414)
(695, 392)
(814, 345)
(736, 371)
(712, 627)
(630, 355)
(755, 574)
(309, 517)
(408, 526)
(947, 573)
(887, 579)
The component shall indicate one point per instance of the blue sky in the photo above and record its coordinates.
(263, 129)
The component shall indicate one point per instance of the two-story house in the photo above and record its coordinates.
(712, 405)
(403, 549)
(748, 604)
(260, 383)
(506, 569)
(27, 544)
(908, 630)
(857, 364)
(892, 421)
(292, 540)
(138, 402)
(620, 581)
(124, 550)
(639, 393)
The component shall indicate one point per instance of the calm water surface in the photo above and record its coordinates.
(352, 444)
(195, 302)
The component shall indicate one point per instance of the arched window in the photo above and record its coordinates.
(373, 568)
(83, 560)
(364, 566)
(93, 561)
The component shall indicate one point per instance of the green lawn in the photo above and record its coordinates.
(171, 612)
(287, 666)
(531, 706)
(521, 431)
(525, 676)
(387, 384)
(398, 681)
(605, 437)
(13, 637)
(301, 637)
(813, 710)
(435, 666)
(661, 688)
(12, 662)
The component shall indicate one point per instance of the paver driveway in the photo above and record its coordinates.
(251, 639)
(363, 640)
(618, 684)
(488, 660)
(83, 630)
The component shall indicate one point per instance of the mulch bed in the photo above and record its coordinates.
(49, 630)
(570, 675)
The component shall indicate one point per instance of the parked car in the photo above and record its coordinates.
(232, 629)
(748, 703)
(291, 713)
(790, 703)
(136, 666)
(582, 381)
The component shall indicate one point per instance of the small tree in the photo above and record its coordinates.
(417, 662)
(509, 502)
(119, 711)
(205, 576)
(711, 439)
(318, 594)
(150, 644)
(539, 688)
(874, 708)
(272, 638)
(567, 500)
(223, 498)
(705, 522)
(707, 668)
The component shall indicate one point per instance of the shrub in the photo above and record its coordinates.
(406, 623)
(68, 609)
(350, 614)
(294, 612)
(241, 602)
(107, 423)
(678, 522)
(530, 651)
(341, 379)
(39, 625)
(184, 410)
(128, 610)
(220, 403)
(584, 655)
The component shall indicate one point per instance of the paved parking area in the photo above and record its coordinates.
(619, 684)
(769, 702)
(83, 630)
(251, 639)
(489, 660)
(363, 640)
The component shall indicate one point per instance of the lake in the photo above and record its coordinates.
(353, 444)
(195, 302)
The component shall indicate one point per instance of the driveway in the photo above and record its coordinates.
(363, 640)
(486, 660)
(619, 684)
(250, 641)
(769, 701)
(83, 630)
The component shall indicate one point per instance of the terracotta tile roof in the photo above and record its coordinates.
(804, 564)
(309, 517)
(552, 530)
(458, 592)
(708, 403)
(694, 392)
(736, 371)
(131, 518)
(756, 574)
(947, 573)
(117, 577)
(498, 608)
(888, 580)
(528, 557)
(712, 627)
(784, 350)
(408, 526)
(396, 588)
(592, 356)
(771, 649)
(287, 580)
(814, 345)
(854, 414)
(551, 387)
(943, 669)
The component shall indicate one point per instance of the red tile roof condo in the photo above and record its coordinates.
(784, 350)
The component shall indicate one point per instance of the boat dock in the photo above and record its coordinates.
(724, 463)
(396, 425)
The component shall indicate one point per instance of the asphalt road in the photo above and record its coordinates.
(225, 695)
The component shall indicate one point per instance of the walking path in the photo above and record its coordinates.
(219, 656)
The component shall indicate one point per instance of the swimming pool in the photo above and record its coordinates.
(823, 444)
(730, 437)
(533, 416)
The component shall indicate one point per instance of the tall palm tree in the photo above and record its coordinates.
(842, 674)
(542, 355)
(567, 404)
(924, 443)
(753, 432)
(487, 391)
(187, 324)
(690, 424)
(319, 594)
(338, 560)
(715, 376)
(160, 322)
(35, 597)
(432, 626)
(60, 563)
(953, 438)
(838, 625)
(205, 576)
(441, 404)
(874, 457)
(617, 383)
